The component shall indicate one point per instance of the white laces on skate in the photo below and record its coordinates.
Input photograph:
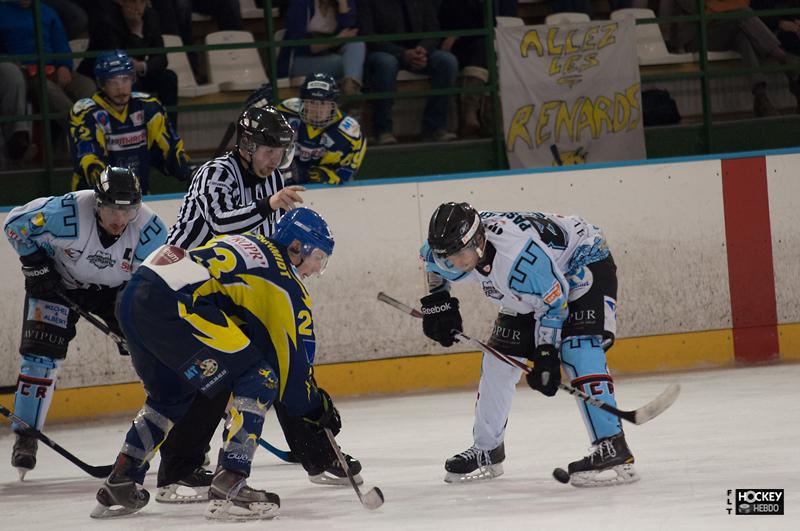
(602, 450)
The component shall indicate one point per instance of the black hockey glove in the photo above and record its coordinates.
(326, 416)
(546, 373)
(440, 316)
(41, 278)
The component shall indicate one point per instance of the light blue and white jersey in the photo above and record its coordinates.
(531, 262)
(66, 228)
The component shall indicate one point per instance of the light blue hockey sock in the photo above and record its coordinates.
(584, 360)
(35, 388)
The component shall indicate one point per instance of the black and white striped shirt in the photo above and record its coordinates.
(223, 198)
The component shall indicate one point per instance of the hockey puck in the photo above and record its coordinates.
(561, 475)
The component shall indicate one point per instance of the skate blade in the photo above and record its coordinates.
(227, 510)
(617, 475)
(326, 478)
(102, 511)
(181, 494)
(22, 471)
(488, 472)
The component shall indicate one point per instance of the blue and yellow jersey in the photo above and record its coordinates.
(264, 303)
(138, 137)
(330, 155)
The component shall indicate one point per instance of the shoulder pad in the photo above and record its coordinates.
(83, 105)
(292, 105)
(350, 127)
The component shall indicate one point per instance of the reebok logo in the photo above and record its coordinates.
(437, 309)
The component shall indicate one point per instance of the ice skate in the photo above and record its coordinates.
(610, 463)
(120, 495)
(475, 464)
(191, 489)
(23, 456)
(334, 474)
(232, 499)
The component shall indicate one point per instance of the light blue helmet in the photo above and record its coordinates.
(112, 64)
(306, 226)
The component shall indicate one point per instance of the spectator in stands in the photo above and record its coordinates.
(116, 127)
(175, 17)
(329, 146)
(324, 18)
(13, 102)
(471, 55)
(72, 14)
(130, 24)
(748, 36)
(385, 59)
(785, 27)
(17, 37)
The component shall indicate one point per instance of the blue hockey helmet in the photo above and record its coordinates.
(310, 229)
(319, 88)
(112, 64)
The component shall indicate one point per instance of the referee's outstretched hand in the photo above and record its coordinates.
(286, 198)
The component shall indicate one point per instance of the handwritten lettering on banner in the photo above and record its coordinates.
(570, 93)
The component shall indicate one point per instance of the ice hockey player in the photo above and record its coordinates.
(118, 127)
(86, 244)
(232, 314)
(329, 144)
(555, 282)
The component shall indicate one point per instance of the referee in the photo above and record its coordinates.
(241, 191)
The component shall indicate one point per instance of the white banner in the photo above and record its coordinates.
(570, 93)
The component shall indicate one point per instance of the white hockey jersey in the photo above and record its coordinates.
(531, 263)
(66, 227)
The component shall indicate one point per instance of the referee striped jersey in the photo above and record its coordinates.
(223, 198)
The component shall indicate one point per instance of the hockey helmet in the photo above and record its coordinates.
(310, 229)
(322, 89)
(118, 187)
(453, 228)
(112, 64)
(265, 126)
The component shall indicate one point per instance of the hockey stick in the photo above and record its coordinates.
(94, 320)
(277, 452)
(94, 471)
(638, 416)
(374, 497)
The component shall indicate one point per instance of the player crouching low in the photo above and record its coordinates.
(230, 315)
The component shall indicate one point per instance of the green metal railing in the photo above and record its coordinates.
(704, 74)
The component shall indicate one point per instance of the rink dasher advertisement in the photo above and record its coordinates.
(570, 94)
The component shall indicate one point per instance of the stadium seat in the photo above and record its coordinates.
(238, 69)
(566, 17)
(509, 22)
(650, 45)
(179, 63)
(78, 45)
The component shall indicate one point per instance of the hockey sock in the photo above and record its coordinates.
(147, 432)
(584, 359)
(35, 387)
(253, 393)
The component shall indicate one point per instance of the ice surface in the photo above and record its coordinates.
(729, 429)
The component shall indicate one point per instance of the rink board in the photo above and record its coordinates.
(665, 224)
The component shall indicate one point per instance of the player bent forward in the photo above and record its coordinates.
(230, 315)
(555, 282)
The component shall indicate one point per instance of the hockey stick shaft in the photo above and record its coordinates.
(639, 416)
(94, 320)
(95, 471)
(374, 497)
(277, 452)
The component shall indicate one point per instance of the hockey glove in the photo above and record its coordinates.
(41, 278)
(546, 373)
(440, 316)
(326, 416)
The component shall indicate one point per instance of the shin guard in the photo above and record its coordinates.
(35, 387)
(584, 360)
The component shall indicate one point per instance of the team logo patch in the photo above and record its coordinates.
(251, 252)
(137, 118)
(168, 254)
(38, 220)
(203, 373)
(47, 312)
(554, 294)
(580, 283)
(490, 291)
(103, 120)
(350, 127)
(12, 234)
(209, 367)
(101, 260)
